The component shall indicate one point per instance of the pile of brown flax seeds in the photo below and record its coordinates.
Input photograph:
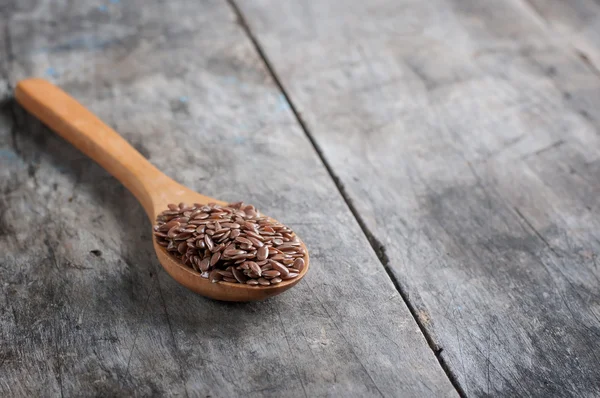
(232, 243)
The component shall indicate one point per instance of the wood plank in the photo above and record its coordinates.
(86, 309)
(456, 129)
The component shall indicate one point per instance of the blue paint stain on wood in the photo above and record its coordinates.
(52, 72)
(88, 42)
(283, 103)
(183, 99)
(103, 8)
(115, 1)
(7, 154)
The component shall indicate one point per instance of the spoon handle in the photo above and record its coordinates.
(72, 121)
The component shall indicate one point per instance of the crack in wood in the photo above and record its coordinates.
(377, 246)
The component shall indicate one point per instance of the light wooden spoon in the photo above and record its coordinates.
(153, 189)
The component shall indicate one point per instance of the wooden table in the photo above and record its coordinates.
(440, 158)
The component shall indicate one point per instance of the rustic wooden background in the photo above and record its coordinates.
(441, 160)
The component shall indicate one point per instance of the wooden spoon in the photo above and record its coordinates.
(153, 189)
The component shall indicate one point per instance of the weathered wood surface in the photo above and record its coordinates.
(576, 22)
(466, 138)
(85, 309)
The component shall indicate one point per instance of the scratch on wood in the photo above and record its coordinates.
(343, 335)
(137, 332)
(290, 351)
(545, 149)
(164, 304)
(59, 366)
(539, 235)
(587, 61)
(506, 146)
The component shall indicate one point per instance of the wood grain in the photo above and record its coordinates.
(85, 308)
(574, 22)
(466, 139)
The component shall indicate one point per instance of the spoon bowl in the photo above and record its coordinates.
(224, 291)
(153, 189)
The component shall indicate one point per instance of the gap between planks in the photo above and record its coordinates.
(375, 243)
